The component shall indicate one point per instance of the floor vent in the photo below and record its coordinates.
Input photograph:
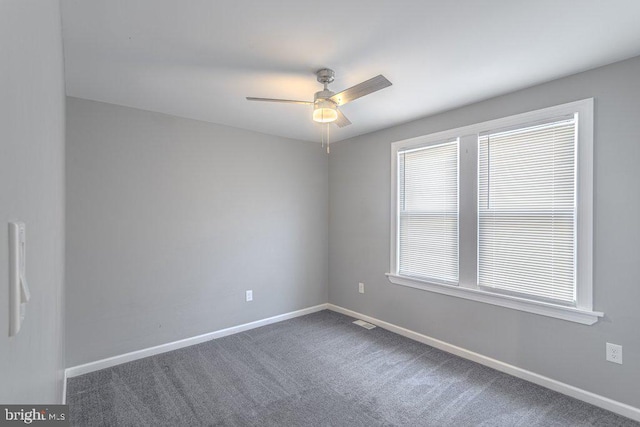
(364, 324)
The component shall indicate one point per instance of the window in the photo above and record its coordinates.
(526, 210)
(428, 212)
(500, 212)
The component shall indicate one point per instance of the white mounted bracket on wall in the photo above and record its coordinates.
(19, 294)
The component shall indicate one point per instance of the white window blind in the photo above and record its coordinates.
(428, 212)
(527, 211)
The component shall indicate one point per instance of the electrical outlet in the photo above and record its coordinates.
(249, 296)
(361, 287)
(614, 353)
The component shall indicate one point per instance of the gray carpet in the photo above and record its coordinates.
(318, 370)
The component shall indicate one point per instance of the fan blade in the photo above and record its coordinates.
(342, 121)
(360, 90)
(290, 101)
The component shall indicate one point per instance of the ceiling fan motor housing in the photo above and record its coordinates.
(323, 94)
(325, 110)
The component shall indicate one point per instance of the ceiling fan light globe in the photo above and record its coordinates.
(325, 115)
(324, 111)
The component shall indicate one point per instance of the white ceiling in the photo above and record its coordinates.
(201, 58)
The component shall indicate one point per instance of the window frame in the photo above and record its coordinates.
(467, 286)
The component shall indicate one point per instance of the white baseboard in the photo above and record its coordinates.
(569, 390)
(74, 371)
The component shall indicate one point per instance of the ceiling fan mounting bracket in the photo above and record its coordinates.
(325, 75)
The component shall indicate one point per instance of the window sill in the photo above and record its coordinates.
(571, 314)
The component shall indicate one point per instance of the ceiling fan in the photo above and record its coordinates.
(326, 103)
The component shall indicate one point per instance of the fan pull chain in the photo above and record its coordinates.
(328, 150)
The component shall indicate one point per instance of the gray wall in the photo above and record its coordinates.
(32, 191)
(359, 183)
(170, 220)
